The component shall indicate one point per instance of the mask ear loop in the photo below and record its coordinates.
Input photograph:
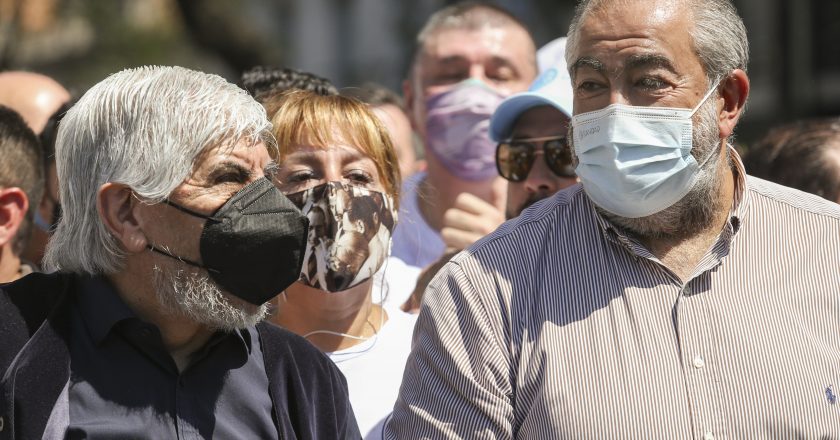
(696, 109)
(711, 91)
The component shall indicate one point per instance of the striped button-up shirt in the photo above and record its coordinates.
(557, 325)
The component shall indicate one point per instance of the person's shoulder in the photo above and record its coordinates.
(285, 346)
(25, 305)
(33, 296)
(566, 207)
(787, 201)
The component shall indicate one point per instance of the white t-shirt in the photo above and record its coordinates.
(415, 242)
(399, 280)
(374, 370)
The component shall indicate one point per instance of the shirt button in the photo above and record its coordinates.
(708, 436)
(698, 362)
(2, 423)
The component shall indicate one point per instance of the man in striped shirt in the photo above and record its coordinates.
(669, 295)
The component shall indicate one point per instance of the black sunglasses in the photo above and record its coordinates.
(515, 157)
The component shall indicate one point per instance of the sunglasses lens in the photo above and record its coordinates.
(514, 160)
(558, 157)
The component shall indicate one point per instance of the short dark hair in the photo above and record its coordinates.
(21, 165)
(799, 155)
(263, 82)
(48, 135)
(374, 94)
(467, 15)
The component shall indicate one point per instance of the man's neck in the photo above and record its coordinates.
(682, 254)
(309, 311)
(439, 189)
(9, 264)
(181, 336)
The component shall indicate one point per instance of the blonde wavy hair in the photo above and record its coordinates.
(299, 116)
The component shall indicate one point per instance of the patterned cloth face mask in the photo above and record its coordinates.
(349, 234)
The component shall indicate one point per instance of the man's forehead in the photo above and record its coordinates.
(634, 29)
(476, 45)
(252, 153)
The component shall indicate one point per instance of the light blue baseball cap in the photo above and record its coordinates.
(552, 87)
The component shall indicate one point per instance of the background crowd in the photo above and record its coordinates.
(401, 141)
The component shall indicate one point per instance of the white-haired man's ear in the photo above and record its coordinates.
(13, 207)
(116, 206)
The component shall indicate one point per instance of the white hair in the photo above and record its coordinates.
(143, 128)
(719, 35)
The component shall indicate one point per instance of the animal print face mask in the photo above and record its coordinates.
(349, 234)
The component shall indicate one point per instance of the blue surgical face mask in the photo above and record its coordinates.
(636, 161)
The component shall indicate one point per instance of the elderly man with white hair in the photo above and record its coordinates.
(173, 238)
(670, 295)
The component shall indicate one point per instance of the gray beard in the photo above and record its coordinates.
(696, 211)
(198, 298)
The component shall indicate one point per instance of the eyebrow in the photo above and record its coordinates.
(649, 60)
(633, 62)
(502, 61)
(590, 62)
(453, 59)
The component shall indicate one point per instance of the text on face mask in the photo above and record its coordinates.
(589, 131)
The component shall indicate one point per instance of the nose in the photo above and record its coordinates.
(477, 72)
(542, 180)
(617, 97)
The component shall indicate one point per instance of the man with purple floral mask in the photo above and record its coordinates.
(469, 57)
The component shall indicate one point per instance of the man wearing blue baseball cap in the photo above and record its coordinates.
(533, 152)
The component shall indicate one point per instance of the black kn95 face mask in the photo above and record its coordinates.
(253, 245)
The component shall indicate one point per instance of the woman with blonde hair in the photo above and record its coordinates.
(338, 165)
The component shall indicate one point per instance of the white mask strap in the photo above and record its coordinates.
(708, 94)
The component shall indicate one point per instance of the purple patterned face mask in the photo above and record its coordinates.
(349, 234)
(457, 129)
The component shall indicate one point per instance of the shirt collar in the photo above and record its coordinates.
(101, 307)
(740, 201)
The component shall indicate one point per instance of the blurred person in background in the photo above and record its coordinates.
(41, 101)
(804, 155)
(468, 58)
(21, 181)
(531, 129)
(339, 166)
(264, 82)
(171, 241)
(533, 152)
(390, 109)
(651, 299)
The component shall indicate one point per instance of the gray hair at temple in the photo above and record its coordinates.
(143, 128)
(720, 38)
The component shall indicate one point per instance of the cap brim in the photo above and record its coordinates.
(511, 108)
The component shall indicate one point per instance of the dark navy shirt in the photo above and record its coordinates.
(124, 383)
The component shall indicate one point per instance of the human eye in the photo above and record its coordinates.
(588, 86)
(502, 74)
(359, 177)
(300, 176)
(650, 83)
(229, 173)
